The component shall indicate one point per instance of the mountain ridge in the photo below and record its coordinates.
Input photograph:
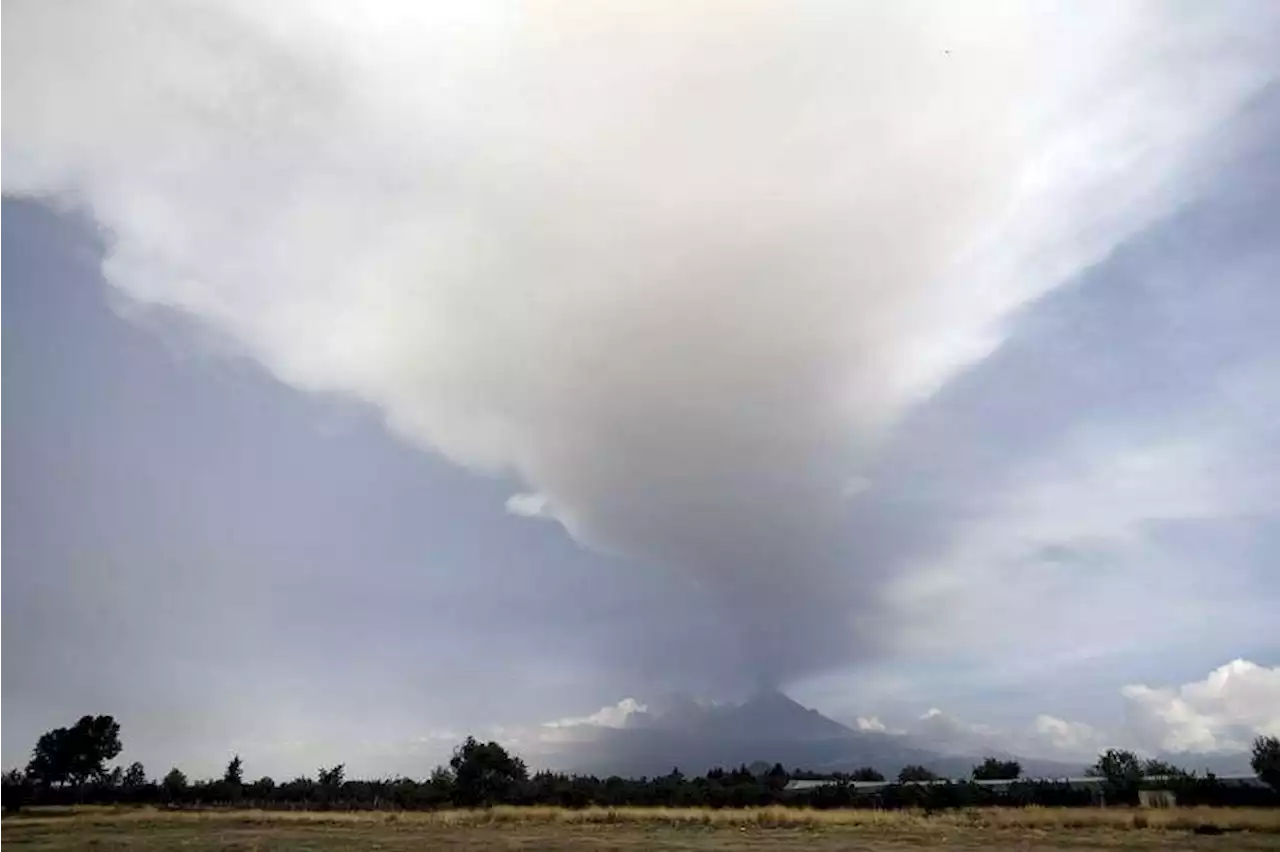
(768, 727)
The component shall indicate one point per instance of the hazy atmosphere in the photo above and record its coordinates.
(383, 373)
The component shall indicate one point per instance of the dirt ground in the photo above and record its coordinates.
(389, 834)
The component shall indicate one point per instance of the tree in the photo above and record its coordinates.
(1159, 769)
(331, 778)
(483, 773)
(916, 773)
(112, 779)
(75, 754)
(867, 773)
(262, 788)
(235, 772)
(1266, 761)
(16, 790)
(994, 769)
(1121, 769)
(441, 782)
(135, 776)
(174, 784)
(777, 778)
(48, 764)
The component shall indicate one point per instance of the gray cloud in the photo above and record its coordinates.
(1219, 714)
(689, 275)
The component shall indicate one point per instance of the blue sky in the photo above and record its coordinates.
(377, 379)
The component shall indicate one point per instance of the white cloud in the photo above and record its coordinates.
(676, 270)
(856, 485)
(1047, 737)
(527, 505)
(609, 716)
(443, 735)
(549, 736)
(1223, 712)
(1220, 714)
(1063, 738)
(950, 734)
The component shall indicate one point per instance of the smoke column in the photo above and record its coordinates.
(678, 268)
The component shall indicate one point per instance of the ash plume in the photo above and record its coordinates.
(678, 269)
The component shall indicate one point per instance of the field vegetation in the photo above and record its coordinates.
(68, 798)
(543, 827)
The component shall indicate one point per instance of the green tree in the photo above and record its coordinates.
(235, 772)
(484, 774)
(1153, 768)
(174, 785)
(331, 778)
(867, 773)
(915, 773)
(1265, 760)
(112, 779)
(135, 776)
(75, 754)
(1121, 769)
(994, 769)
(441, 783)
(777, 778)
(262, 788)
(16, 790)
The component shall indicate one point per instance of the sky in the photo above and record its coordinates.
(380, 375)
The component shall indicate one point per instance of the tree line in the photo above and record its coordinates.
(69, 766)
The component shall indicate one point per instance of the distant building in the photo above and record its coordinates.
(1082, 782)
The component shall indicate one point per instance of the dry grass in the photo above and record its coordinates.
(1257, 820)
(543, 829)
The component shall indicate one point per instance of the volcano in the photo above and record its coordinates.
(773, 714)
(766, 715)
(769, 727)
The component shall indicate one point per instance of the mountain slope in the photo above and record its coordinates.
(769, 727)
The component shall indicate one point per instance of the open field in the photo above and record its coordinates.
(598, 829)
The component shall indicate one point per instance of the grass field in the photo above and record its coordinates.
(599, 829)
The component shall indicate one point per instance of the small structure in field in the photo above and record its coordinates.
(1157, 799)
